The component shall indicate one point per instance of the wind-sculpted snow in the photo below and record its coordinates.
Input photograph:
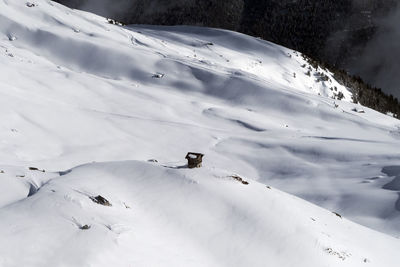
(178, 217)
(76, 89)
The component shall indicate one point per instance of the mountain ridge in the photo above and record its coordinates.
(125, 105)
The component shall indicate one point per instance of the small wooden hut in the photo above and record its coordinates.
(194, 159)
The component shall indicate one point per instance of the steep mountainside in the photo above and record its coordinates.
(96, 120)
(334, 31)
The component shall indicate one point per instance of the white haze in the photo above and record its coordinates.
(380, 60)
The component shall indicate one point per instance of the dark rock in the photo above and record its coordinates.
(29, 4)
(35, 169)
(114, 22)
(158, 75)
(337, 214)
(85, 227)
(101, 201)
(240, 179)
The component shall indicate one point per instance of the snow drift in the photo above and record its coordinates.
(76, 89)
(168, 216)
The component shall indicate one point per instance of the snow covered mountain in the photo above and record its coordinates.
(76, 90)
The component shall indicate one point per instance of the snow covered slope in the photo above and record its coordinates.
(178, 217)
(76, 89)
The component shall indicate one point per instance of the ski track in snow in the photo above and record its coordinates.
(76, 90)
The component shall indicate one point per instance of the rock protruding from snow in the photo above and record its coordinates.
(101, 201)
(202, 216)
